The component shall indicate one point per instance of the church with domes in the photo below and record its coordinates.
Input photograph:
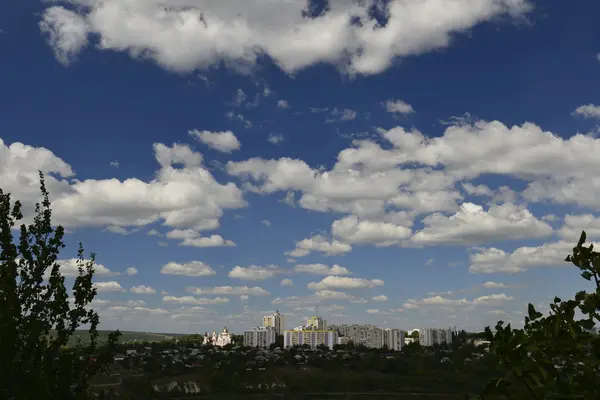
(221, 340)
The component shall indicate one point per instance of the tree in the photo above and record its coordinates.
(554, 356)
(37, 318)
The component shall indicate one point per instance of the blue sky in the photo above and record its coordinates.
(430, 171)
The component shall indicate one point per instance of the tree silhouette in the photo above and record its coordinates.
(555, 356)
(37, 315)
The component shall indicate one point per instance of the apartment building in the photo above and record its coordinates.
(263, 337)
(274, 320)
(311, 337)
(367, 335)
(432, 336)
(393, 339)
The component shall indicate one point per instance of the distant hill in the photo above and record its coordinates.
(126, 336)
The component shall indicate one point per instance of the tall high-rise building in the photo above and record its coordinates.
(431, 336)
(316, 323)
(275, 321)
(393, 338)
(263, 336)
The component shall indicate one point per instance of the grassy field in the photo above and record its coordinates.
(126, 336)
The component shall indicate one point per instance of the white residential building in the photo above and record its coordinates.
(431, 336)
(393, 339)
(311, 337)
(275, 321)
(367, 335)
(263, 337)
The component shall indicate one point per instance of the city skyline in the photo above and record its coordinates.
(224, 164)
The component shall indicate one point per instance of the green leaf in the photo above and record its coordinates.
(587, 275)
(581, 239)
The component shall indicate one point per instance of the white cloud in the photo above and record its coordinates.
(492, 300)
(398, 106)
(110, 286)
(142, 290)
(283, 104)
(210, 241)
(69, 268)
(493, 260)
(244, 297)
(286, 282)
(66, 32)
(351, 230)
(341, 115)
(131, 271)
(340, 282)
(182, 195)
(194, 300)
(254, 272)
(114, 164)
(321, 244)
(380, 298)
(440, 301)
(191, 268)
(266, 222)
(321, 269)
(153, 232)
(472, 225)
(275, 139)
(230, 290)
(493, 285)
(429, 261)
(588, 111)
(191, 35)
(575, 224)
(225, 142)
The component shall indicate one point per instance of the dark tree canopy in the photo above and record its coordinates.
(38, 315)
(555, 356)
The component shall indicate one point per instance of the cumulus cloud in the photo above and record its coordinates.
(351, 230)
(440, 301)
(110, 286)
(141, 289)
(381, 297)
(398, 106)
(131, 271)
(321, 269)
(191, 268)
(230, 290)
(254, 272)
(182, 195)
(472, 225)
(320, 244)
(189, 35)
(286, 282)
(588, 111)
(342, 282)
(225, 142)
(575, 224)
(69, 268)
(283, 104)
(275, 139)
(266, 222)
(209, 241)
(492, 260)
(66, 32)
(194, 300)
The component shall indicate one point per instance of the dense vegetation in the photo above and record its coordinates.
(34, 303)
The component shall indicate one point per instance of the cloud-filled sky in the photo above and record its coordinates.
(406, 163)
